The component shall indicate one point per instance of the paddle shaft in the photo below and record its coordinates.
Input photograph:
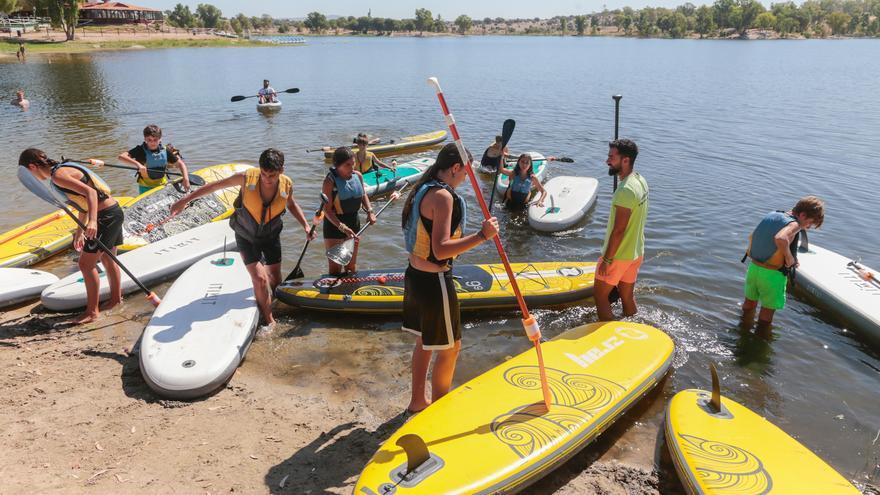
(319, 215)
(101, 163)
(387, 203)
(241, 97)
(531, 327)
(507, 131)
(616, 125)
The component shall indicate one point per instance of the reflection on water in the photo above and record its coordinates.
(727, 132)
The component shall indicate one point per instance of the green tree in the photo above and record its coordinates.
(244, 22)
(751, 9)
(64, 14)
(266, 21)
(463, 23)
(8, 6)
(765, 21)
(439, 24)
(363, 24)
(284, 27)
(647, 21)
(721, 10)
(209, 15)
(316, 22)
(424, 20)
(181, 16)
(563, 23)
(839, 23)
(580, 23)
(392, 25)
(594, 24)
(786, 26)
(705, 21)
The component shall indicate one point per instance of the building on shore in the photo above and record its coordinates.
(106, 12)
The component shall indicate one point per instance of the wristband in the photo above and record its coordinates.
(606, 260)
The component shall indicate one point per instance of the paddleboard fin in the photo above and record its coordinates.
(715, 403)
(416, 451)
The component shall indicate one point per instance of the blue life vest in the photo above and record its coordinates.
(347, 194)
(157, 165)
(418, 236)
(762, 245)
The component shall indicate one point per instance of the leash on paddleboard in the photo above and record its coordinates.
(240, 97)
(318, 218)
(35, 186)
(529, 324)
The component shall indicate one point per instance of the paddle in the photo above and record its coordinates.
(319, 215)
(35, 186)
(372, 142)
(506, 133)
(529, 323)
(341, 253)
(614, 295)
(552, 159)
(239, 97)
(194, 180)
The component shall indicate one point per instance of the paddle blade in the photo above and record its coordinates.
(297, 273)
(341, 254)
(37, 187)
(565, 159)
(292, 90)
(507, 131)
(237, 98)
(195, 180)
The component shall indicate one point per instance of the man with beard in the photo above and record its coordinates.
(625, 235)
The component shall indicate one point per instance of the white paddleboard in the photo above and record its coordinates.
(539, 170)
(200, 333)
(826, 276)
(150, 264)
(383, 180)
(568, 200)
(20, 284)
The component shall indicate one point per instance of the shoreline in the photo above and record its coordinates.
(8, 48)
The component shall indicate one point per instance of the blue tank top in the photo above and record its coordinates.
(348, 194)
(763, 245)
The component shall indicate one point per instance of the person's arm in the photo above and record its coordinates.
(63, 179)
(365, 200)
(621, 220)
(504, 170)
(125, 157)
(439, 204)
(236, 180)
(783, 240)
(297, 212)
(78, 235)
(330, 211)
(181, 165)
(380, 163)
(541, 190)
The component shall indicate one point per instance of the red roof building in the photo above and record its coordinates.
(118, 13)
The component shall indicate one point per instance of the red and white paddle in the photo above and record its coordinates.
(529, 323)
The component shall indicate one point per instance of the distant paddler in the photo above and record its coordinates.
(20, 101)
(345, 187)
(267, 93)
(493, 156)
(98, 211)
(265, 194)
(366, 161)
(153, 159)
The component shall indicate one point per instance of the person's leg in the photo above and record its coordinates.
(444, 370)
(628, 298)
(274, 274)
(351, 267)
(114, 278)
(332, 268)
(765, 316)
(260, 281)
(88, 265)
(272, 254)
(603, 305)
(421, 360)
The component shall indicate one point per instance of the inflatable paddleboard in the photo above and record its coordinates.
(493, 434)
(273, 106)
(399, 146)
(159, 261)
(146, 217)
(568, 200)
(39, 239)
(478, 287)
(833, 281)
(539, 170)
(383, 180)
(20, 284)
(736, 451)
(202, 330)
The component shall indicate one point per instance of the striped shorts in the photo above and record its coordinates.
(430, 308)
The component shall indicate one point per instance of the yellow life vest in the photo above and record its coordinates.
(90, 179)
(367, 164)
(252, 215)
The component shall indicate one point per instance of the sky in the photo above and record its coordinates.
(449, 9)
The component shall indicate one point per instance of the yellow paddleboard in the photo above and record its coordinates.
(39, 239)
(737, 452)
(147, 217)
(493, 435)
(409, 144)
(479, 287)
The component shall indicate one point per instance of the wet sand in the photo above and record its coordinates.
(78, 418)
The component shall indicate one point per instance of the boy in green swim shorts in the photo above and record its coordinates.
(773, 253)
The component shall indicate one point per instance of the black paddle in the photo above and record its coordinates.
(506, 133)
(564, 159)
(319, 214)
(239, 97)
(614, 295)
(194, 180)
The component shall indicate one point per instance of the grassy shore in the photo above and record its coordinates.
(8, 46)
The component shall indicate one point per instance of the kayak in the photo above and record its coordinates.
(738, 451)
(493, 434)
(39, 239)
(159, 261)
(539, 170)
(146, 217)
(20, 284)
(399, 146)
(202, 330)
(833, 281)
(568, 200)
(479, 287)
(382, 180)
(273, 106)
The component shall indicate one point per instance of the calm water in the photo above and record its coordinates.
(727, 131)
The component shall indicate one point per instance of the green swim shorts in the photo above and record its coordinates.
(766, 286)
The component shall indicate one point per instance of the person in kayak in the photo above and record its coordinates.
(433, 221)
(773, 253)
(345, 187)
(264, 195)
(267, 93)
(366, 161)
(153, 159)
(20, 101)
(522, 180)
(624, 244)
(493, 156)
(90, 196)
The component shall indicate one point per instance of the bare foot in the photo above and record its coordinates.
(108, 305)
(417, 407)
(87, 318)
